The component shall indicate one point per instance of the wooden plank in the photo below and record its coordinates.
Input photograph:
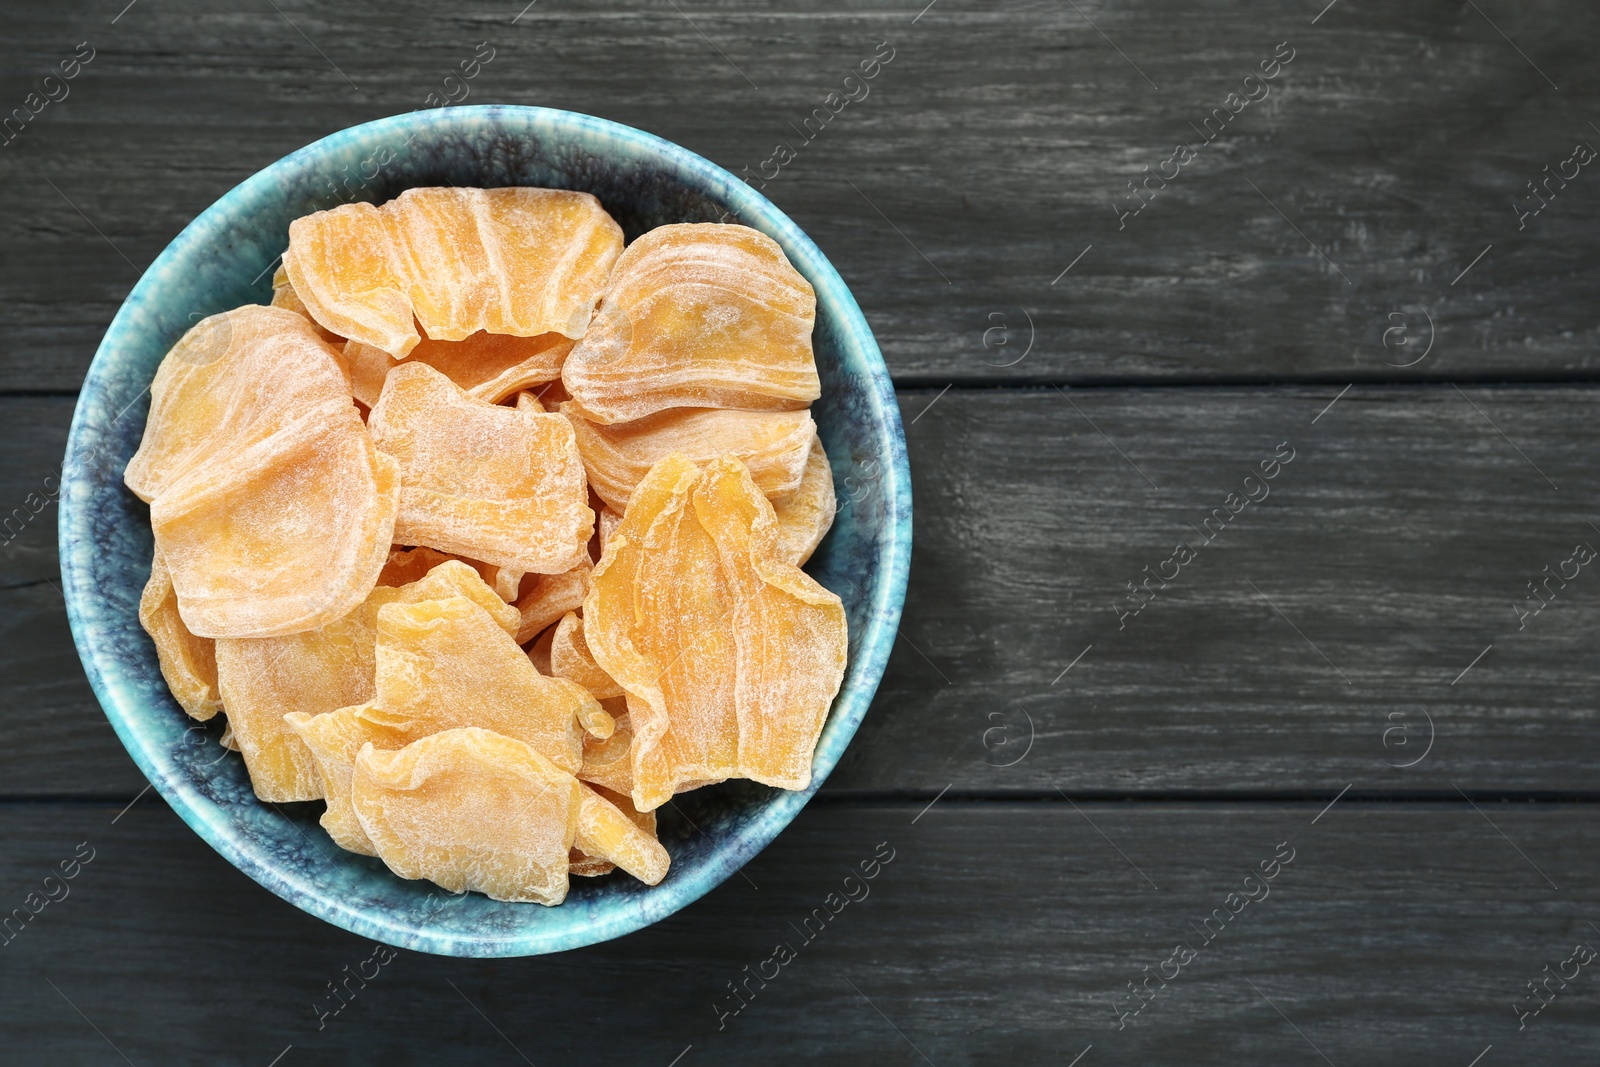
(1388, 556)
(996, 934)
(988, 155)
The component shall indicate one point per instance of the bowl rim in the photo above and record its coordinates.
(111, 680)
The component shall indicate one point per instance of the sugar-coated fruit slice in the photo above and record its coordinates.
(483, 480)
(283, 537)
(317, 671)
(334, 739)
(772, 444)
(701, 315)
(188, 663)
(517, 261)
(805, 515)
(409, 564)
(369, 367)
(232, 382)
(447, 663)
(570, 659)
(730, 655)
(488, 366)
(343, 267)
(284, 296)
(470, 809)
(552, 596)
(608, 761)
(582, 865)
(612, 833)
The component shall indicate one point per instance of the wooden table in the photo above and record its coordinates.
(1103, 343)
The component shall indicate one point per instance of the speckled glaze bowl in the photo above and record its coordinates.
(225, 258)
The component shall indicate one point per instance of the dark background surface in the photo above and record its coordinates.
(1066, 431)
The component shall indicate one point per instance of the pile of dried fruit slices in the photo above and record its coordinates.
(488, 531)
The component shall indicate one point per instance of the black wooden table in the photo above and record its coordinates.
(1243, 710)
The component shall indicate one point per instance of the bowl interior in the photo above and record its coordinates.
(226, 258)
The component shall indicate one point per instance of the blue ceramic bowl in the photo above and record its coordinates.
(225, 258)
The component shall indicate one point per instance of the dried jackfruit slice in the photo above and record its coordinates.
(772, 444)
(539, 651)
(409, 564)
(700, 315)
(334, 739)
(369, 368)
(489, 482)
(729, 654)
(570, 659)
(446, 663)
(234, 381)
(608, 761)
(341, 263)
(585, 866)
(284, 536)
(406, 565)
(188, 663)
(606, 522)
(493, 366)
(614, 832)
(805, 515)
(470, 809)
(552, 596)
(284, 296)
(318, 671)
(506, 583)
(488, 366)
(517, 261)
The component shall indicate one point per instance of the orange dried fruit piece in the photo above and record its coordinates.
(341, 263)
(570, 659)
(284, 296)
(539, 651)
(606, 522)
(586, 866)
(730, 655)
(699, 315)
(493, 366)
(517, 261)
(188, 663)
(486, 481)
(805, 516)
(369, 368)
(280, 538)
(406, 565)
(772, 444)
(334, 739)
(470, 809)
(608, 761)
(552, 596)
(614, 833)
(506, 583)
(447, 663)
(317, 671)
(409, 564)
(488, 366)
(232, 382)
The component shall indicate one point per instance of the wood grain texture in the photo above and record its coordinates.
(997, 934)
(987, 155)
(1307, 646)
(1364, 609)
